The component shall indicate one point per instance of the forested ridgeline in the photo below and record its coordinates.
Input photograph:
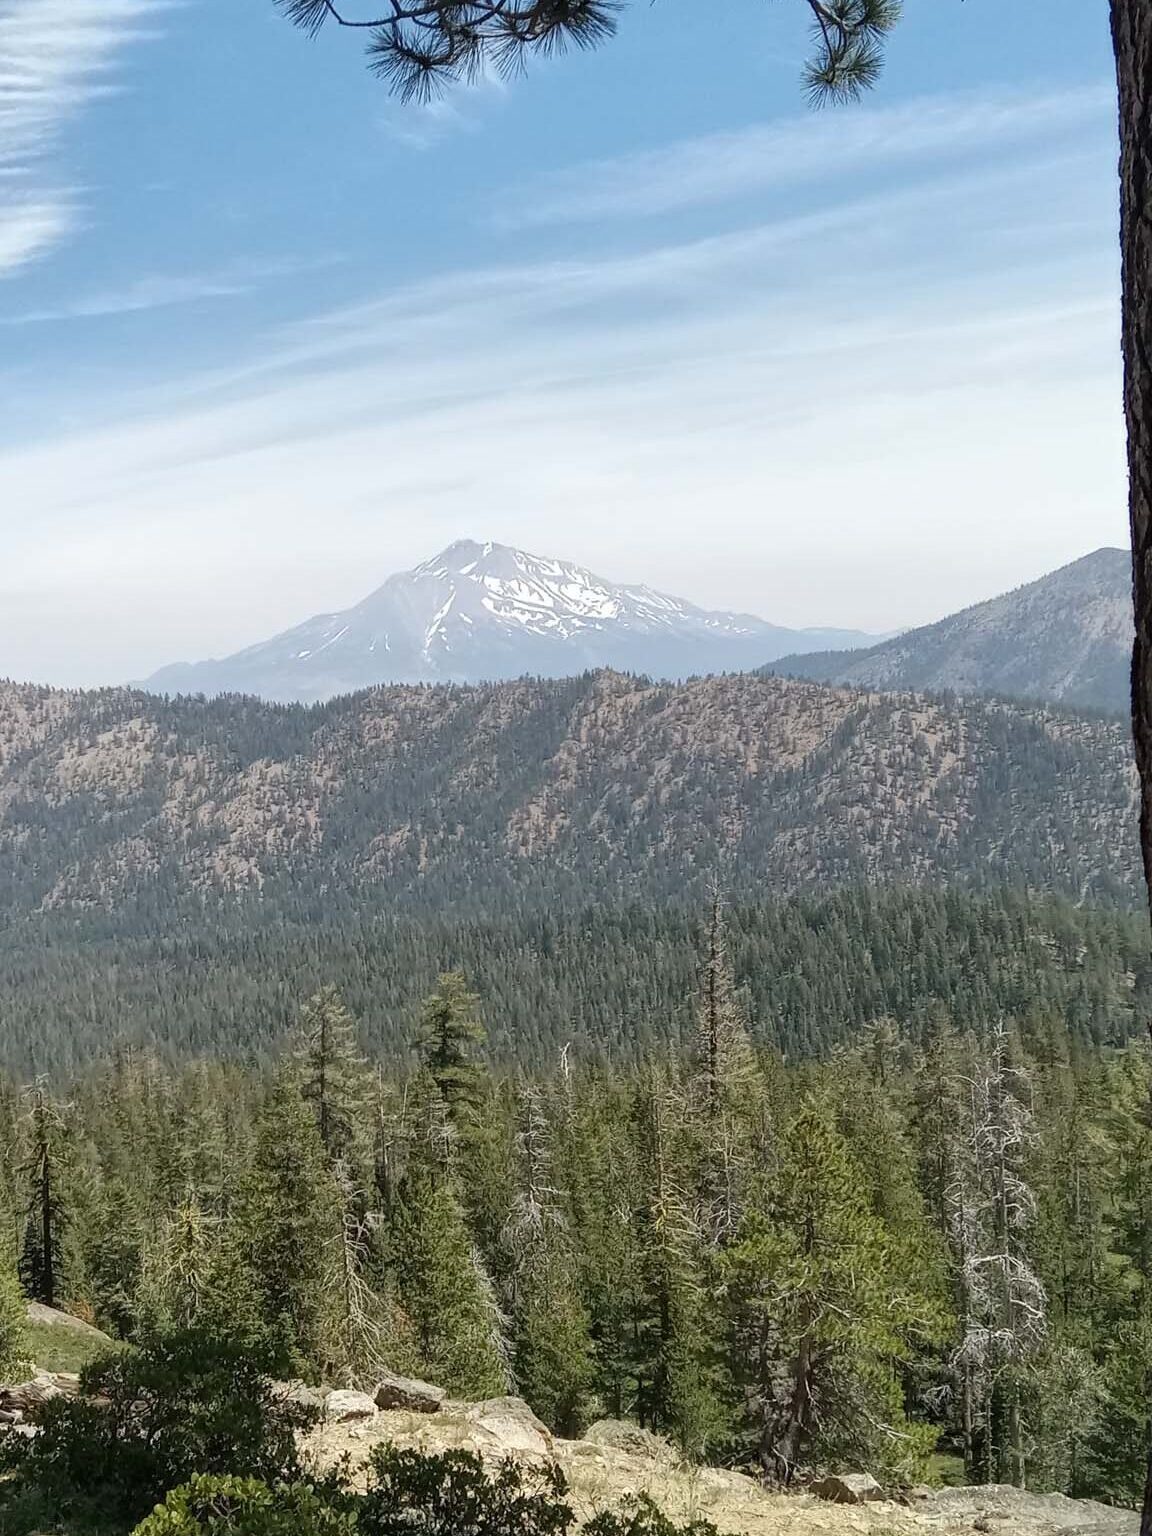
(614, 981)
(943, 1244)
(545, 795)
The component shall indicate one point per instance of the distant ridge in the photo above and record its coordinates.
(1066, 637)
(487, 612)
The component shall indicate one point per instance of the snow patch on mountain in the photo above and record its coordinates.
(479, 612)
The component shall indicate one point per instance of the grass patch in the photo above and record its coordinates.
(946, 1471)
(56, 1348)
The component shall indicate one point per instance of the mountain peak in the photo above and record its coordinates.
(1065, 637)
(461, 557)
(486, 611)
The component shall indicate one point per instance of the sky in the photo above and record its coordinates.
(267, 335)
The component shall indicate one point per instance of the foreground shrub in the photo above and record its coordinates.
(641, 1516)
(147, 1421)
(236, 1506)
(412, 1493)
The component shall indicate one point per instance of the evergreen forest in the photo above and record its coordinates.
(924, 1250)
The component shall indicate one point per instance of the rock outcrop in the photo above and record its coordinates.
(408, 1393)
(848, 1488)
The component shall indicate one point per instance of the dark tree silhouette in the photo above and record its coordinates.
(419, 46)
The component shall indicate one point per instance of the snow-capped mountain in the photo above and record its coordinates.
(484, 612)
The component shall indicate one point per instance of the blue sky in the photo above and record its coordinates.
(267, 335)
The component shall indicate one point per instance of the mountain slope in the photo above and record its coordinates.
(1066, 637)
(482, 612)
(546, 794)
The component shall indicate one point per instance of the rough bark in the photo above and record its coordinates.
(1132, 41)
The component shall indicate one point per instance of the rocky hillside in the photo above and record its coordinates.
(616, 1460)
(545, 794)
(1066, 637)
(476, 612)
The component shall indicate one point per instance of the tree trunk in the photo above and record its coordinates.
(1132, 41)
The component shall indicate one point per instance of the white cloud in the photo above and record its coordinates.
(720, 166)
(723, 417)
(28, 228)
(55, 56)
(165, 290)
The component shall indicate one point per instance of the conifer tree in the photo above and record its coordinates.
(44, 1172)
(333, 1073)
(13, 1321)
(113, 1244)
(596, 1147)
(678, 1356)
(553, 1346)
(444, 1288)
(288, 1217)
(446, 1041)
(822, 1316)
(724, 1091)
(177, 1271)
(371, 1332)
(1004, 1306)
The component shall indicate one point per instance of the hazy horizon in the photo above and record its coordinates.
(855, 369)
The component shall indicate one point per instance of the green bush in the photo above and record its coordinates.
(412, 1493)
(13, 1320)
(640, 1516)
(244, 1506)
(148, 1421)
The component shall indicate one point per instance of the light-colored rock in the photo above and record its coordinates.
(508, 1424)
(848, 1488)
(623, 1435)
(348, 1407)
(52, 1317)
(45, 1385)
(408, 1393)
(301, 1393)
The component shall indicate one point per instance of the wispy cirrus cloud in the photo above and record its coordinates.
(55, 57)
(166, 290)
(716, 167)
(716, 415)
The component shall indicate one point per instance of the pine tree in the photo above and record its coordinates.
(448, 1035)
(333, 1074)
(822, 1316)
(725, 1093)
(44, 1173)
(553, 1346)
(677, 1348)
(288, 1218)
(13, 1321)
(177, 1271)
(1003, 1303)
(444, 1287)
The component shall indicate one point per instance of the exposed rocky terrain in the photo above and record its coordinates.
(561, 791)
(615, 1460)
(1066, 637)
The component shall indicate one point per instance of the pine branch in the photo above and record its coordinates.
(418, 47)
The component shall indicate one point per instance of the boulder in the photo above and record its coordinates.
(508, 1424)
(52, 1317)
(622, 1435)
(301, 1393)
(348, 1407)
(45, 1385)
(406, 1392)
(848, 1488)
